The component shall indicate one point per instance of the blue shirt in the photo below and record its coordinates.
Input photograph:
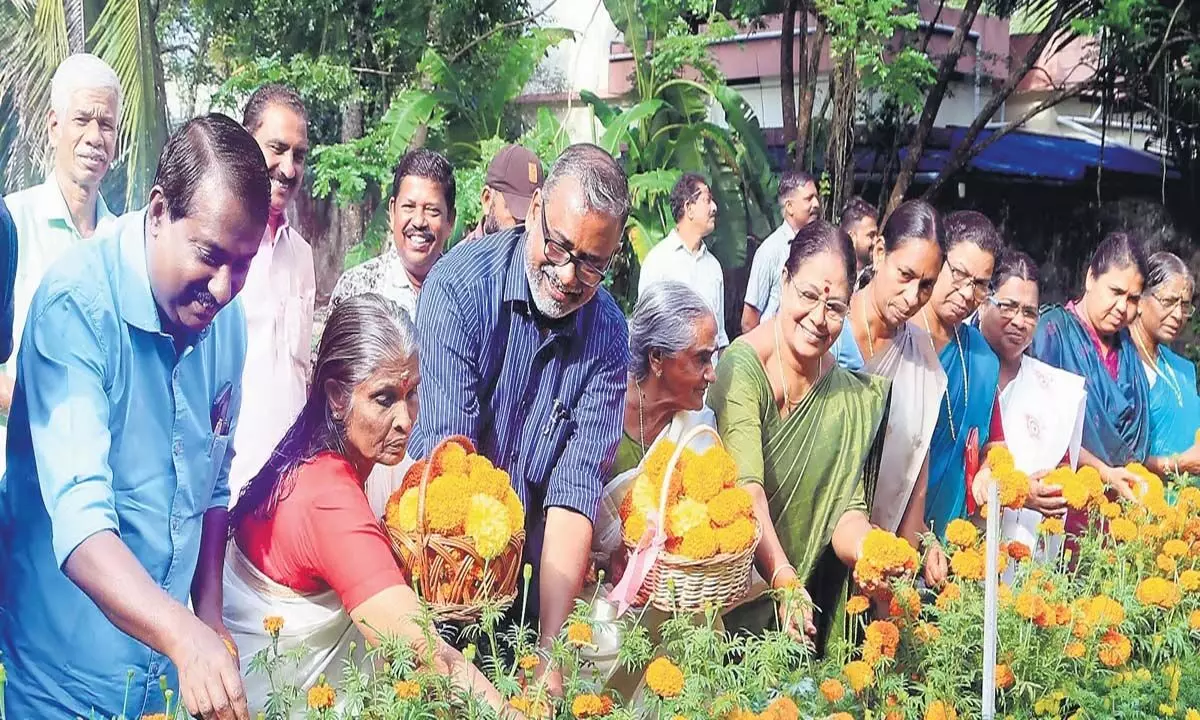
(8, 276)
(542, 399)
(112, 429)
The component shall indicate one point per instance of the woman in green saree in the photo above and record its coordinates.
(806, 436)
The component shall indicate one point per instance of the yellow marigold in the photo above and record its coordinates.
(1175, 548)
(273, 624)
(321, 697)
(1122, 530)
(1075, 492)
(528, 662)
(1194, 620)
(1110, 510)
(949, 594)
(857, 605)
(884, 636)
(1157, 591)
(968, 564)
(832, 690)
(884, 554)
(445, 511)
(1004, 677)
(737, 536)
(1192, 714)
(685, 516)
(729, 505)
(962, 533)
(1103, 611)
(664, 678)
(927, 632)
(940, 710)
(707, 474)
(841, 716)
(1075, 650)
(516, 511)
(487, 525)
(451, 459)
(1051, 526)
(1114, 649)
(1166, 563)
(1030, 605)
(1189, 580)
(528, 707)
(407, 689)
(860, 675)
(635, 527)
(591, 706)
(1014, 488)
(999, 458)
(700, 543)
(401, 512)
(579, 634)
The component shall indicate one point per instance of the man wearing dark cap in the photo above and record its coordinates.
(512, 177)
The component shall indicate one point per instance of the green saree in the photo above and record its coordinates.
(815, 465)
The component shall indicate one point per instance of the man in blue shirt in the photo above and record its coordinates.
(8, 274)
(117, 484)
(523, 352)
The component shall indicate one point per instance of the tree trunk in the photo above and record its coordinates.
(808, 86)
(787, 75)
(933, 103)
(76, 26)
(839, 153)
(349, 217)
(432, 31)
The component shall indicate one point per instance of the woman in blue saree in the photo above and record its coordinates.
(972, 368)
(1090, 337)
(1174, 405)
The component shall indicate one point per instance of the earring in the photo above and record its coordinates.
(658, 373)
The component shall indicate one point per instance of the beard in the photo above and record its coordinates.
(491, 224)
(538, 278)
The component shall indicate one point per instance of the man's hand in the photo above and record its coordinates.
(1121, 480)
(210, 684)
(1045, 498)
(937, 568)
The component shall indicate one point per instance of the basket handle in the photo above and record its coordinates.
(426, 478)
(673, 463)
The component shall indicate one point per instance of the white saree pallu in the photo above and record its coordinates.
(918, 386)
(318, 622)
(1041, 410)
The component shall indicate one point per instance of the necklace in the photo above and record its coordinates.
(641, 418)
(966, 376)
(1169, 376)
(787, 400)
(867, 327)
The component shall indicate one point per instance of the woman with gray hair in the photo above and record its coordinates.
(1165, 307)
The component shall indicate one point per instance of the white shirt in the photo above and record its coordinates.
(672, 260)
(384, 275)
(762, 291)
(278, 298)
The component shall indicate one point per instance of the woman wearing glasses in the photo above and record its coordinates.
(1090, 337)
(806, 434)
(1174, 405)
(877, 337)
(972, 370)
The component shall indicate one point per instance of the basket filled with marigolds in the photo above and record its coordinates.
(458, 527)
(688, 503)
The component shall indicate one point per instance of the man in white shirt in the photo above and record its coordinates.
(682, 255)
(279, 294)
(801, 204)
(860, 220)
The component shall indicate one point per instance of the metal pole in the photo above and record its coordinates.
(991, 591)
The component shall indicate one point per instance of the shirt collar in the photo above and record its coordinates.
(392, 267)
(676, 243)
(272, 240)
(56, 205)
(138, 307)
(516, 291)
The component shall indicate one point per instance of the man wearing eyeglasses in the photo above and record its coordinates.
(682, 256)
(524, 353)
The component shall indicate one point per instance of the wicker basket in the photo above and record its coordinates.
(679, 584)
(449, 572)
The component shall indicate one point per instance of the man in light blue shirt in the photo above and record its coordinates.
(115, 498)
(800, 203)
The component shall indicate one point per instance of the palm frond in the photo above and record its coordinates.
(35, 46)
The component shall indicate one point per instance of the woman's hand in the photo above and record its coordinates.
(979, 485)
(1044, 497)
(937, 568)
(1189, 460)
(1121, 480)
(795, 608)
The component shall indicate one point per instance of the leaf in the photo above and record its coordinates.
(605, 112)
(646, 187)
(621, 127)
(409, 110)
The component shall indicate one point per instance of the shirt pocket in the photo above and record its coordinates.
(294, 332)
(550, 444)
(218, 450)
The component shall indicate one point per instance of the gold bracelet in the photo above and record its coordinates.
(774, 575)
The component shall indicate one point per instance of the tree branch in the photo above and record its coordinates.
(499, 28)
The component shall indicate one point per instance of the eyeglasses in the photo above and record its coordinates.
(560, 256)
(962, 280)
(1009, 309)
(835, 310)
(1170, 303)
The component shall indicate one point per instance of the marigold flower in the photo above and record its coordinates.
(1000, 458)
(927, 632)
(591, 706)
(841, 716)
(700, 543)
(1102, 611)
(1019, 551)
(445, 511)
(729, 505)
(1114, 649)
(1030, 605)
(940, 710)
(487, 525)
(1175, 548)
(273, 624)
(635, 527)
(1189, 580)
(401, 510)
(962, 533)
(905, 602)
(1110, 510)
(321, 697)
(155, 716)
(1075, 650)
(949, 594)
(860, 675)
(1075, 492)
(883, 636)
(1004, 677)
(1122, 530)
(781, 708)
(407, 689)
(968, 564)
(1194, 620)
(707, 474)
(528, 662)
(884, 554)
(737, 536)
(1166, 563)
(579, 634)
(857, 605)
(1052, 526)
(516, 511)
(686, 515)
(1157, 591)
(528, 707)
(832, 690)
(451, 459)
(664, 678)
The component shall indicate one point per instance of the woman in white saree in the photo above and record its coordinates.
(306, 547)
(878, 338)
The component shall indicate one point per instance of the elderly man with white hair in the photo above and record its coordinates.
(85, 106)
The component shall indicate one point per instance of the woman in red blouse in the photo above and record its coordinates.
(306, 546)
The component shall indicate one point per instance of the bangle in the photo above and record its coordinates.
(774, 575)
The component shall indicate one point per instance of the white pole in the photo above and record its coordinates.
(991, 591)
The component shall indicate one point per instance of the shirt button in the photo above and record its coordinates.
(175, 524)
(178, 447)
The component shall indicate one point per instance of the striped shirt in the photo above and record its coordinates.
(540, 398)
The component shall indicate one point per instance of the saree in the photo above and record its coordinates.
(1116, 427)
(967, 404)
(317, 622)
(1174, 405)
(816, 464)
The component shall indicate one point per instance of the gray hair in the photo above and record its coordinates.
(1163, 267)
(602, 182)
(665, 319)
(82, 71)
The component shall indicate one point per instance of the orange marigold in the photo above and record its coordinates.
(1114, 649)
(407, 689)
(1019, 551)
(1075, 650)
(273, 624)
(1014, 488)
(927, 632)
(664, 678)
(1031, 606)
(857, 605)
(707, 474)
(940, 710)
(884, 554)
(445, 511)
(841, 716)
(949, 594)
(451, 459)
(833, 690)
(962, 533)
(528, 662)
(737, 536)
(321, 696)
(729, 505)
(579, 634)
(906, 602)
(884, 636)
(1122, 530)
(781, 708)
(860, 675)
(1194, 620)
(1102, 611)
(1157, 591)
(968, 564)
(1166, 563)
(1004, 677)
(591, 706)
(700, 543)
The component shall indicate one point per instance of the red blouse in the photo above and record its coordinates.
(323, 535)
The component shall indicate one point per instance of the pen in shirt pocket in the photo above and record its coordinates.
(558, 413)
(220, 411)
